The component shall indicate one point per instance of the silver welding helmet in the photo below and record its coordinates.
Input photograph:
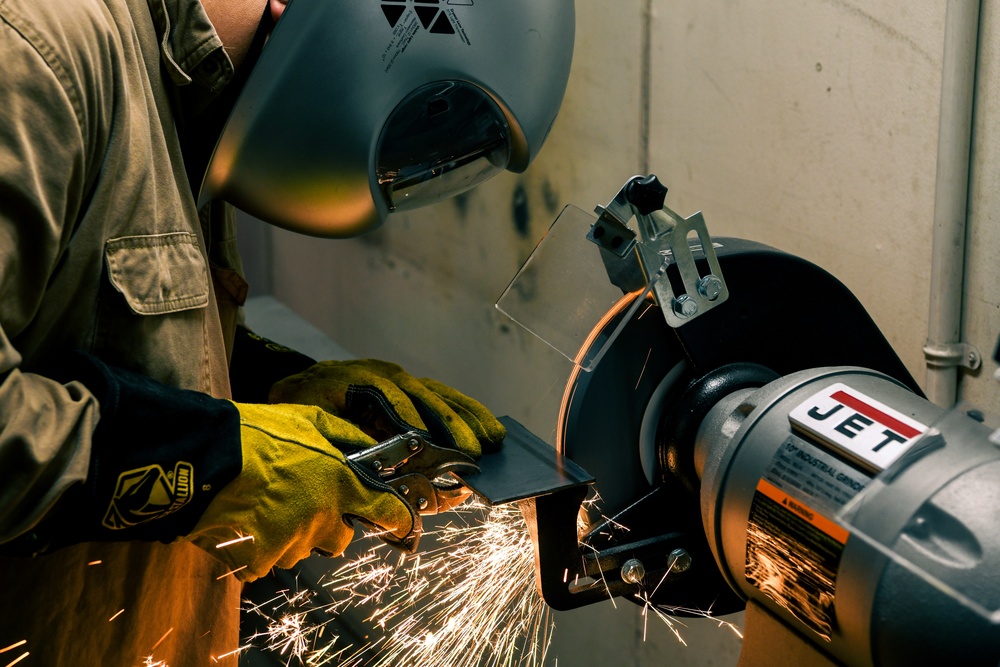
(357, 109)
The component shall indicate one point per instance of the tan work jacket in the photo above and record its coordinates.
(101, 249)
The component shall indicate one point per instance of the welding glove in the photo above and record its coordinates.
(296, 493)
(384, 400)
(167, 464)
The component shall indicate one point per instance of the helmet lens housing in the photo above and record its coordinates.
(441, 140)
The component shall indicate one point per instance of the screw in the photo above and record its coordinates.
(685, 306)
(404, 489)
(679, 560)
(412, 444)
(376, 465)
(421, 503)
(710, 287)
(633, 571)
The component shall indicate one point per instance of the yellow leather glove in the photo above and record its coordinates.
(384, 400)
(296, 493)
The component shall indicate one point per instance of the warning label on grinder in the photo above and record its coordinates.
(794, 545)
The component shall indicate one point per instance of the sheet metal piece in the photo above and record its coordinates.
(525, 467)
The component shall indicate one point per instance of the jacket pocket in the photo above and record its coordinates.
(158, 273)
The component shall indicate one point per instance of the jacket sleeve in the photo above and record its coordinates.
(45, 426)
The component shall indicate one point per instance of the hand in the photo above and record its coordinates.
(384, 400)
(296, 493)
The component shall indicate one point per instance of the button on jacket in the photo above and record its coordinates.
(102, 250)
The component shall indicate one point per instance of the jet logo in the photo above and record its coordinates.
(148, 493)
(430, 13)
(857, 425)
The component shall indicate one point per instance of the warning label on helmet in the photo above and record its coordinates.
(407, 18)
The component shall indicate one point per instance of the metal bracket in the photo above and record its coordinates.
(949, 355)
(665, 238)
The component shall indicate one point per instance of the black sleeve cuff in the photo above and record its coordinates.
(258, 363)
(159, 456)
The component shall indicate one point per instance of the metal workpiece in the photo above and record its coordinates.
(525, 467)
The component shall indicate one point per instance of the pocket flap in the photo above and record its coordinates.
(158, 273)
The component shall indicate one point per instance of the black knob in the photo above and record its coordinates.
(647, 194)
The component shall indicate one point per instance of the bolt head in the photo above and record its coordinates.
(376, 465)
(679, 560)
(684, 306)
(633, 571)
(710, 287)
(421, 503)
(404, 489)
(412, 444)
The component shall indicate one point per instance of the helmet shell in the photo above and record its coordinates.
(302, 146)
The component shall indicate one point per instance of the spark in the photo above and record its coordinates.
(160, 641)
(231, 653)
(19, 658)
(148, 662)
(241, 538)
(117, 614)
(468, 601)
(223, 576)
(14, 646)
(471, 601)
(644, 364)
(476, 598)
(95, 562)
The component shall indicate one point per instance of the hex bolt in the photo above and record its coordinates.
(678, 561)
(412, 444)
(684, 306)
(633, 571)
(404, 489)
(376, 465)
(710, 287)
(421, 503)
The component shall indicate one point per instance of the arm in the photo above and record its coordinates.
(45, 426)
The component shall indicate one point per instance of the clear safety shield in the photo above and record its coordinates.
(563, 295)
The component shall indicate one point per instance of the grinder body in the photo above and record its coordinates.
(859, 514)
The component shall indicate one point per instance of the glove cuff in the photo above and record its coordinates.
(159, 455)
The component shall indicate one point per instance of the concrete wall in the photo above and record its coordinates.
(810, 125)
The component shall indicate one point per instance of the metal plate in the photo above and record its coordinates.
(525, 467)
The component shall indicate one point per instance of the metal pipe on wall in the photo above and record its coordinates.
(945, 352)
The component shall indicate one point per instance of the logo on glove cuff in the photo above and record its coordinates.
(148, 493)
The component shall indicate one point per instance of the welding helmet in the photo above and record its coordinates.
(358, 109)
